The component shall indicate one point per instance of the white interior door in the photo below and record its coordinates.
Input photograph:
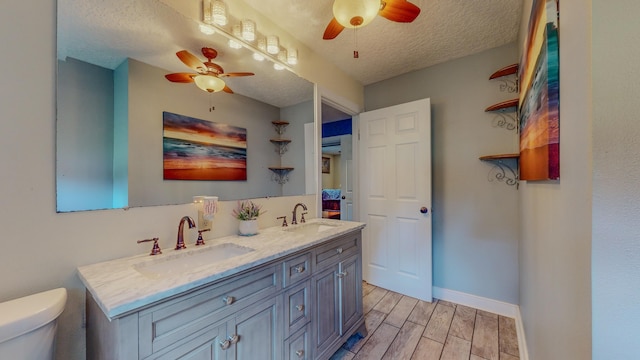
(395, 191)
(346, 178)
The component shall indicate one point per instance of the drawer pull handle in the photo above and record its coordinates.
(234, 338)
(228, 300)
(300, 353)
(224, 345)
(300, 307)
(300, 269)
(339, 250)
(341, 274)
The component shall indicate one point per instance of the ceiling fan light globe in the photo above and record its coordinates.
(209, 83)
(355, 13)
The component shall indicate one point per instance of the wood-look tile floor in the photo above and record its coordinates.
(401, 327)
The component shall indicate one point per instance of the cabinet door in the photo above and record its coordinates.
(256, 332)
(350, 285)
(326, 312)
(207, 346)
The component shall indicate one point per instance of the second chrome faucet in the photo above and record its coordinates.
(294, 221)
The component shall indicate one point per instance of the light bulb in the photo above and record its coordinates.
(209, 83)
(248, 30)
(355, 13)
(219, 13)
(273, 45)
(292, 58)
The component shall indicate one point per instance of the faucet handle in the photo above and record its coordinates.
(302, 220)
(284, 220)
(200, 240)
(156, 248)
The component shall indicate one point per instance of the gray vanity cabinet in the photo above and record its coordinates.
(301, 306)
(337, 284)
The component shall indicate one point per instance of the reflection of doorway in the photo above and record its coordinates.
(336, 160)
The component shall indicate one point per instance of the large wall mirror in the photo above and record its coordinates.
(111, 95)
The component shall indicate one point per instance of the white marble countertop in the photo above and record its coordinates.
(119, 288)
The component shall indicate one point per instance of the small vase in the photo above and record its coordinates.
(248, 227)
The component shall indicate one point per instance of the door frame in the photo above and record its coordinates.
(322, 95)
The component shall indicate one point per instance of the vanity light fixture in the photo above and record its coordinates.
(244, 34)
(237, 32)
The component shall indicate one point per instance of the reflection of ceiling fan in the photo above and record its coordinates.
(358, 13)
(209, 74)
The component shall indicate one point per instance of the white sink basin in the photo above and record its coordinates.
(311, 228)
(180, 263)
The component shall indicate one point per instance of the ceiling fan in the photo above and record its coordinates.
(208, 74)
(358, 13)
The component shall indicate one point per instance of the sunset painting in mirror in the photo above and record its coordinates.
(195, 149)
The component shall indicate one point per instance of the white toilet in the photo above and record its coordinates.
(28, 325)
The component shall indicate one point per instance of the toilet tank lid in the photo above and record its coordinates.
(25, 314)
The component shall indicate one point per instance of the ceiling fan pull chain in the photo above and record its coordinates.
(211, 107)
(355, 52)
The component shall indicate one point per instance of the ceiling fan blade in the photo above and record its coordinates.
(191, 61)
(233, 74)
(399, 11)
(333, 29)
(227, 89)
(180, 77)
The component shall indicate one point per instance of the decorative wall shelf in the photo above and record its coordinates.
(280, 126)
(507, 70)
(504, 169)
(507, 83)
(282, 145)
(509, 105)
(280, 174)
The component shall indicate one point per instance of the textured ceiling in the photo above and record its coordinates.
(444, 30)
(107, 32)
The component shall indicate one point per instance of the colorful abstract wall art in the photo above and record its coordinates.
(195, 149)
(540, 96)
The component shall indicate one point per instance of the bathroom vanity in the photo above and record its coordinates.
(286, 293)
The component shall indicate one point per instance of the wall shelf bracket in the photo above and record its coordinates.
(282, 145)
(280, 174)
(504, 168)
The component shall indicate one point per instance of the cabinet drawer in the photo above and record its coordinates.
(296, 269)
(298, 346)
(297, 307)
(176, 320)
(336, 250)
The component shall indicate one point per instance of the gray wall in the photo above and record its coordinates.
(616, 175)
(297, 116)
(475, 221)
(85, 136)
(555, 283)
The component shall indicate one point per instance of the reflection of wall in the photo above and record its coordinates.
(297, 116)
(134, 166)
(84, 136)
(149, 95)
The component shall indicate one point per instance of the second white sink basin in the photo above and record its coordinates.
(311, 228)
(180, 263)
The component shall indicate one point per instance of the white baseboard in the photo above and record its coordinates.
(490, 305)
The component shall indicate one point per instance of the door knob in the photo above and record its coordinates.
(424, 210)
(343, 197)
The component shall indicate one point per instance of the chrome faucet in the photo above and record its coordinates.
(294, 221)
(192, 224)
